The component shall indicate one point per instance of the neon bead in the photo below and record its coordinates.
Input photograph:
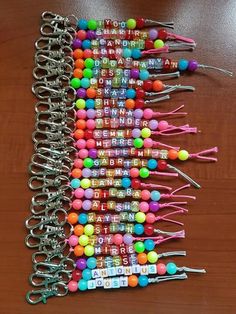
(138, 142)
(158, 44)
(89, 63)
(127, 53)
(86, 274)
(149, 245)
(162, 34)
(129, 104)
(78, 250)
(73, 240)
(157, 86)
(143, 75)
(89, 250)
(140, 217)
(171, 268)
(81, 114)
(148, 142)
(79, 63)
(152, 164)
(92, 24)
(88, 73)
(140, 22)
(183, 64)
(172, 154)
(136, 53)
(91, 262)
(125, 182)
(183, 155)
(78, 73)
(145, 195)
(78, 163)
(161, 269)
(78, 54)
(150, 218)
(76, 173)
(128, 239)
(138, 229)
(81, 124)
(76, 275)
(117, 239)
(142, 258)
(91, 143)
(87, 204)
(75, 82)
(83, 153)
(78, 230)
(152, 257)
(91, 124)
(85, 183)
(77, 204)
(136, 133)
(144, 173)
(88, 162)
(146, 132)
(143, 281)
(82, 24)
(86, 44)
(90, 103)
(192, 65)
(91, 92)
(79, 193)
(135, 183)
(163, 125)
(80, 103)
(153, 33)
(83, 218)
(89, 230)
(81, 263)
(147, 86)
(154, 206)
(155, 195)
(82, 285)
(75, 183)
(148, 229)
(139, 247)
(83, 240)
(72, 286)
(72, 218)
(87, 53)
(133, 281)
(143, 207)
(81, 34)
(148, 113)
(134, 172)
(85, 82)
(131, 23)
(130, 93)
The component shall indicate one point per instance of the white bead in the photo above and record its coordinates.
(152, 269)
(124, 281)
(135, 269)
(111, 271)
(119, 270)
(95, 273)
(107, 283)
(144, 270)
(91, 284)
(115, 282)
(99, 282)
(104, 272)
(127, 270)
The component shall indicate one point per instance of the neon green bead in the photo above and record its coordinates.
(89, 63)
(183, 155)
(89, 250)
(146, 132)
(138, 142)
(89, 230)
(158, 43)
(80, 103)
(75, 82)
(88, 73)
(144, 173)
(83, 240)
(88, 162)
(140, 217)
(85, 183)
(152, 257)
(131, 23)
(92, 24)
(139, 247)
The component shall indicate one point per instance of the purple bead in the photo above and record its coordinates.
(86, 173)
(153, 33)
(192, 65)
(134, 73)
(93, 153)
(81, 93)
(136, 133)
(77, 43)
(91, 113)
(153, 124)
(81, 263)
(154, 206)
(138, 113)
(86, 205)
(88, 193)
(128, 239)
(90, 35)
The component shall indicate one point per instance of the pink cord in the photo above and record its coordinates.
(177, 235)
(158, 144)
(201, 155)
(150, 185)
(174, 205)
(158, 50)
(170, 214)
(183, 130)
(172, 194)
(168, 174)
(173, 112)
(178, 37)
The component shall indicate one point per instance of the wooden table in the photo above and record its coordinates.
(210, 224)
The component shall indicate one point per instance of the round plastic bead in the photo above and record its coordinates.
(172, 154)
(73, 240)
(153, 124)
(162, 164)
(130, 93)
(129, 104)
(140, 217)
(72, 286)
(163, 125)
(79, 193)
(140, 22)
(91, 262)
(158, 44)
(78, 73)
(139, 247)
(89, 250)
(86, 44)
(89, 230)
(149, 44)
(88, 162)
(87, 204)
(80, 103)
(78, 250)
(138, 113)
(82, 24)
(152, 164)
(171, 268)
(192, 65)
(135, 183)
(89, 63)
(144, 173)
(78, 230)
(148, 229)
(134, 172)
(134, 73)
(136, 53)
(133, 281)
(162, 34)
(76, 43)
(72, 218)
(138, 143)
(91, 92)
(145, 195)
(76, 275)
(88, 73)
(146, 132)
(143, 207)
(92, 24)
(154, 206)
(152, 257)
(161, 269)
(78, 54)
(155, 195)
(149, 245)
(183, 64)
(131, 24)
(150, 218)
(87, 53)
(81, 34)
(136, 133)
(79, 64)
(148, 142)
(83, 240)
(157, 86)
(147, 86)
(128, 239)
(143, 281)
(83, 218)
(77, 204)
(153, 33)
(118, 239)
(88, 193)
(90, 103)
(91, 34)
(82, 285)
(125, 182)
(75, 82)
(127, 53)
(183, 155)
(85, 183)
(86, 274)
(138, 229)
(143, 75)
(142, 258)
(81, 263)
(75, 183)
(85, 82)
(140, 93)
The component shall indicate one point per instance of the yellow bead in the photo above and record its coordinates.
(183, 155)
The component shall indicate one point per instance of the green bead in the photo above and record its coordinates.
(88, 73)
(80, 103)
(75, 82)
(83, 240)
(138, 143)
(89, 63)
(131, 23)
(152, 257)
(89, 230)
(146, 132)
(140, 217)
(139, 247)
(183, 155)
(144, 173)
(92, 24)
(88, 162)
(158, 44)
(85, 183)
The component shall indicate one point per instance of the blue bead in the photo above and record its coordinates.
(143, 281)
(86, 44)
(85, 82)
(125, 182)
(90, 103)
(82, 24)
(183, 64)
(127, 53)
(138, 229)
(136, 53)
(83, 219)
(82, 285)
(143, 75)
(152, 164)
(86, 274)
(149, 244)
(91, 262)
(171, 268)
(130, 93)
(155, 196)
(75, 183)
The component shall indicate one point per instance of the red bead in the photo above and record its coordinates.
(149, 44)
(147, 85)
(140, 22)
(148, 229)
(162, 165)
(162, 34)
(135, 183)
(88, 134)
(139, 103)
(76, 274)
(140, 93)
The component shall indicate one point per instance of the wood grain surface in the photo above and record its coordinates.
(210, 225)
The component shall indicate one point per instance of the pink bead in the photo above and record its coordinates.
(79, 193)
(83, 153)
(77, 204)
(161, 269)
(143, 207)
(117, 239)
(150, 218)
(73, 286)
(134, 173)
(73, 240)
(81, 143)
(148, 113)
(90, 124)
(91, 143)
(145, 195)
(163, 125)
(81, 114)
(147, 142)
(88, 53)
(78, 163)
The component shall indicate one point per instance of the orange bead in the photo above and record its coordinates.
(76, 173)
(157, 86)
(78, 250)
(78, 73)
(78, 230)
(142, 258)
(172, 154)
(78, 54)
(72, 218)
(79, 63)
(79, 134)
(91, 92)
(81, 124)
(133, 281)
(129, 104)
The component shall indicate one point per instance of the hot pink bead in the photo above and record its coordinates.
(73, 286)
(79, 193)
(77, 204)
(78, 163)
(163, 125)
(145, 195)
(81, 143)
(150, 218)
(147, 113)
(90, 124)
(83, 153)
(117, 239)
(143, 207)
(73, 240)
(134, 173)
(147, 142)
(161, 269)
(81, 114)
(91, 143)
(81, 34)
(88, 53)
